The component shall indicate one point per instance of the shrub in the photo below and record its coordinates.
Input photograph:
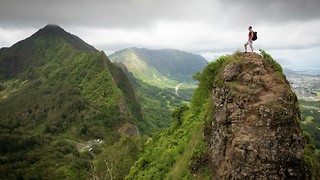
(275, 66)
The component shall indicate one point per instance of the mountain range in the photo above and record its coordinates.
(162, 80)
(164, 68)
(68, 112)
(58, 94)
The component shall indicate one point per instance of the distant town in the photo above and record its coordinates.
(307, 87)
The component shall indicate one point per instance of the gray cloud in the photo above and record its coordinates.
(277, 10)
(140, 13)
(101, 13)
(200, 26)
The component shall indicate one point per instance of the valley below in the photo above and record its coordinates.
(307, 89)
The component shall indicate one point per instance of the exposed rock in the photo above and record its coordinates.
(231, 71)
(129, 130)
(255, 131)
(122, 105)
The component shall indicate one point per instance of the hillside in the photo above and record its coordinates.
(156, 103)
(164, 68)
(162, 80)
(16, 59)
(243, 123)
(60, 97)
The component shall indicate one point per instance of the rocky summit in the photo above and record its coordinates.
(243, 123)
(254, 130)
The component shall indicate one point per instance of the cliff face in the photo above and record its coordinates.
(254, 131)
(249, 117)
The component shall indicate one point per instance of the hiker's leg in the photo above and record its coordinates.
(251, 47)
(245, 47)
(250, 44)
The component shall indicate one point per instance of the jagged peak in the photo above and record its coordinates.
(254, 120)
(51, 29)
(52, 26)
(54, 30)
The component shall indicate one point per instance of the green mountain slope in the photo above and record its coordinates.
(38, 49)
(156, 103)
(162, 80)
(164, 68)
(59, 97)
(239, 96)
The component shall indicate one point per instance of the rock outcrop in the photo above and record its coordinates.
(255, 132)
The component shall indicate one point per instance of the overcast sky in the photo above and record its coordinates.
(287, 29)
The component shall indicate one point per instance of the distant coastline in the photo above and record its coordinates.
(304, 71)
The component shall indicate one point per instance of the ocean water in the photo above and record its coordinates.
(308, 71)
(304, 70)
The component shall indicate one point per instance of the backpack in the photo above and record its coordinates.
(255, 36)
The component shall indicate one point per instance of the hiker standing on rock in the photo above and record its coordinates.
(250, 41)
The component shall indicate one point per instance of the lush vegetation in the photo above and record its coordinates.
(179, 152)
(55, 99)
(167, 154)
(59, 97)
(311, 156)
(310, 123)
(156, 74)
(161, 68)
(274, 64)
(310, 116)
(58, 94)
(157, 104)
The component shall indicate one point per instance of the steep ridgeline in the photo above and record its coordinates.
(59, 97)
(162, 68)
(162, 80)
(243, 123)
(35, 51)
(255, 132)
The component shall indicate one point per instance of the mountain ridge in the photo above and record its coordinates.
(239, 125)
(163, 67)
(15, 59)
(73, 40)
(59, 97)
(68, 112)
(162, 80)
